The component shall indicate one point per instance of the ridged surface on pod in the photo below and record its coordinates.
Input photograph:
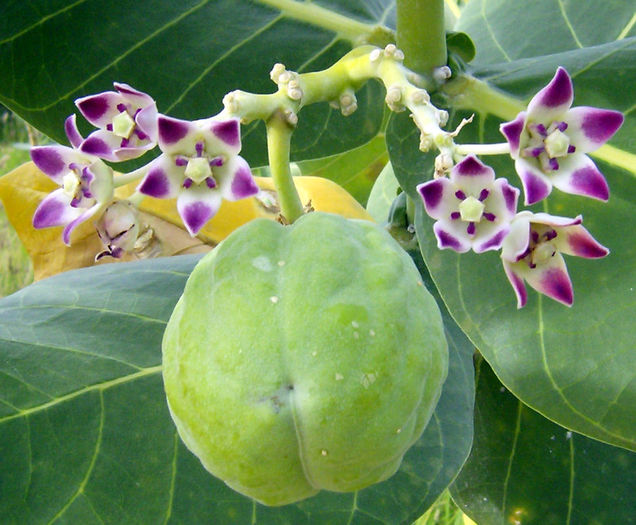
(303, 358)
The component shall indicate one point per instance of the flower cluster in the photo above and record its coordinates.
(199, 164)
(548, 142)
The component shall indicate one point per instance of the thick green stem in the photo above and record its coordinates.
(467, 92)
(279, 134)
(421, 34)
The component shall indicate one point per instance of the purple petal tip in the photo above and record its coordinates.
(228, 131)
(172, 130)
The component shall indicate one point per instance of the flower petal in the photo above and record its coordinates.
(439, 197)
(517, 283)
(512, 131)
(196, 206)
(172, 131)
(99, 109)
(137, 98)
(102, 144)
(54, 210)
(72, 133)
(517, 241)
(553, 100)
(551, 278)
(55, 160)
(472, 176)
(536, 185)
(162, 180)
(494, 239)
(241, 183)
(146, 119)
(451, 238)
(228, 131)
(86, 214)
(579, 175)
(589, 128)
(576, 240)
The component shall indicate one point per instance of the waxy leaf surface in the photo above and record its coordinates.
(524, 468)
(187, 55)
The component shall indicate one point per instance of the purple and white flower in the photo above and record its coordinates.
(118, 229)
(200, 166)
(550, 140)
(472, 209)
(532, 253)
(127, 119)
(86, 187)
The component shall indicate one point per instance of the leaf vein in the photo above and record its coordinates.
(100, 387)
(91, 466)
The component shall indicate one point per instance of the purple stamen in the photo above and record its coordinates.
(199, 147)
(210, 182)
(460, 195)
(181, 161)
(483, 195)
(553, 164)
(87, 193)
(455, 215)
(539, 129)
(75, 202)
(571, 149)
(74, 166)
(561, 126)
(470, 230)
(187, 182)
(532, 265)
(140, 134)
(535, 236)
(524, 254)
(533, 152)
(216, 161)
(124, 143)
(121, 107)
(136, 113)
(549, 235)
(109, 127)
(489, 216)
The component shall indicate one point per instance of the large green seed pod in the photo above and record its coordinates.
(303, 357)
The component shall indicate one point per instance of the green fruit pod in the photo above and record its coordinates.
(304, 358)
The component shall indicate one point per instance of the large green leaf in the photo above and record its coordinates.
(547, 26)
(187, 55)
(86, 437)
(525, 469)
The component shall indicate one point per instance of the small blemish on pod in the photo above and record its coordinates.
(323, 452)
(273, 299)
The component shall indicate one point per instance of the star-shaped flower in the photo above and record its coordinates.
(127, 119)
(550, 140)
(86, 187)
(532, 252)
(473, 210)
(200, 166)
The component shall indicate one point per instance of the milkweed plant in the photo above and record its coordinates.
(496, 177)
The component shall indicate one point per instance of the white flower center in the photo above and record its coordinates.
(542, 253)
(71, 184)
(123, 124)
(198, 169)
(557, 144)
(471, 209)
